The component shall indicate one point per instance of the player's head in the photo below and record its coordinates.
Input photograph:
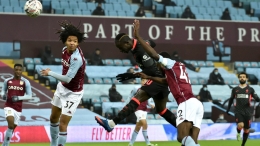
(242, 77)
(123, 42)
(164, 55)
(18, 69)
(143, 81)
(70, 35)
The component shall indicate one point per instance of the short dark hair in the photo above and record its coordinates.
(165, 55)
(122, 37)
(242, 73)
(67, 29)
(17, 64)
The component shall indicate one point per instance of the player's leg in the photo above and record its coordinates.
(9, 131)
(160, 105)
(145, 135)
(125, 112)
(138, 126)
(240, 124)
(69, 106)
(54, 119)
(247, 125)
(186, 115)
(197, 122)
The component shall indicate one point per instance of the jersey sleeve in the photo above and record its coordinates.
(254, 95)
(233, 94)
(4, 88)
(166, 62)
(75, 64)
(28, 88)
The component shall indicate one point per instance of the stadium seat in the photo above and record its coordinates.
(98, 81)
(112, 13)
(109, 62)
(210, 11)
(17, 10)
(202, 81)
(115, 81)
(77, 12)
(218, 11)
(125, 7)
(220, 4)
(134, 7)
(104, 98)
(180, 2)
(202, 11)
(254, 64)
(5, 3)
(209, 64)
(121, 13)
(212, 4)
(254, 19)
(194, 63)
(55, 5)
(240, 69)
(147, 4)
(201, 63)
(59, 11)
(196, 3)
(83, 6)
(73, 5)
(235, 82)
(86, 12)
(107, 81)
(148, 15)
(91, 81)
(108, 6)
(37, 61)
(91, 5)
(126, 62)
(150, 116)
(238, 64)
(118, 62)
(228, 81)
(194, 81)
(8, 9)
(246, 64)
(204, 3)
(68, 11)
(117, 6)
(14, 3)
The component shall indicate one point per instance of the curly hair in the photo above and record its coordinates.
(67, 29)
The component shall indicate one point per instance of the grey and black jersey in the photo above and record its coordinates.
(243, 98)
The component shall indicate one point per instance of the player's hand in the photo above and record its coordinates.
(141, 75)
(152, 106)
(45, 72)
(136, 26)
(15, 98)
(4, 97)
(125, 76)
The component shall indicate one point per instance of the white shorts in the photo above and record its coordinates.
(12, 112)
(66, 99)
(140, 115)
(190, 110)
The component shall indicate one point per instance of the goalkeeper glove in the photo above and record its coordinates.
(125, 76)
(15, 98)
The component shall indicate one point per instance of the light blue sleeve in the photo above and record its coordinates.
(4, 88)
(75, 64)
(166, 62)
(28, 88)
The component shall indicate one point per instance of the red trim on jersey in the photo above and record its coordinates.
(163, 112)
(134, 45)
(250, 99)
(136, 100)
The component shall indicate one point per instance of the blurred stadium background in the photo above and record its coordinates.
(22, 39)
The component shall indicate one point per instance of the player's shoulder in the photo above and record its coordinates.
(8, 79)
(76, 56)
(25, 80)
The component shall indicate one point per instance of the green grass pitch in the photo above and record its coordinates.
(168, 143)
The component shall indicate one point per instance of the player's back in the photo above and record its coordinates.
(76, 83)
(179, 82)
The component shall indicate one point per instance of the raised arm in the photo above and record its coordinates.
(148, 49)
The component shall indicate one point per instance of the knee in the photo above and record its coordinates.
(240, 125)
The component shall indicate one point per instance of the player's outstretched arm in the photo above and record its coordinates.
(255, 96)
(148, 49)
(156, 79)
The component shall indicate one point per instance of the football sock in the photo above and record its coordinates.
(133, 138)
(127, 110)
(245, 136)
(62, 138)
(238, 130)
(54, 130)
(168, 116)
(8, 136)
(188, 141)
(146, 137)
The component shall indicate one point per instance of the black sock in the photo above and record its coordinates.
(127, 110)
(238, 130)
(245, 136)
(169, 117)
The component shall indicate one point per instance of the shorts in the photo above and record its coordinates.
(245, 119)
(155, 90)
(190, 110)
(140, 115)
(12, 112)
(66, 99)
